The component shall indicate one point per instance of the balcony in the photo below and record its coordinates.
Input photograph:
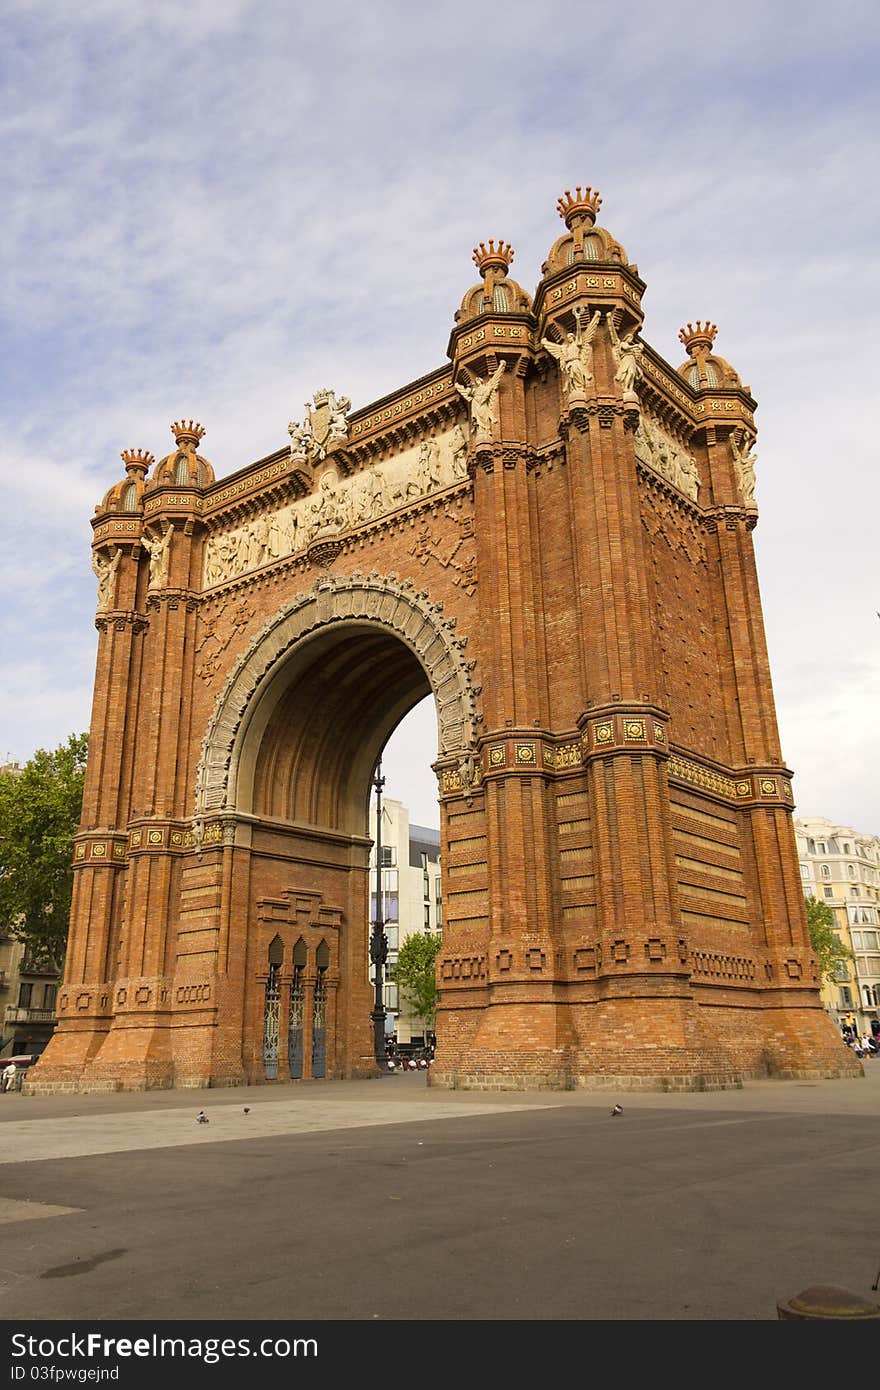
(14, 1014)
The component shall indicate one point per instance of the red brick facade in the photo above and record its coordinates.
(622, 900)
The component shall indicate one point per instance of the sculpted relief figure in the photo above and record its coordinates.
(428, 467)
(159, 550)
(627, 355)
(689, 478)
(458, 446)
(328, 512)
(370, 503)
(257, 542)
(105, 571)
(744, 462)
(575, 355)
(481, 399)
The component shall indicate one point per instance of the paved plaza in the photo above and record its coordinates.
(386, 1199)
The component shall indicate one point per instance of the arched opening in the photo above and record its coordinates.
(287, 765)
(312, 740)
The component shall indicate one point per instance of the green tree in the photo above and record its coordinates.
(831, 952)
(416, 976)
(40, 808)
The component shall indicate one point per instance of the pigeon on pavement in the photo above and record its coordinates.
(617, 1110)
(201, 1118)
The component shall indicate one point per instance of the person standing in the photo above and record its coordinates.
(9, 1074)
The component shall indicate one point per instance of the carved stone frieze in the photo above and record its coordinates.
(659, 451)
(338, 505)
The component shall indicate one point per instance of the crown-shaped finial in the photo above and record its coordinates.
(698, 336)
(137, 460)
(187, 432)
(583, 203)
(493, 257)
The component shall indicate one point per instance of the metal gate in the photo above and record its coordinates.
(271, 1013)
(297, 1010)
(319, 1013)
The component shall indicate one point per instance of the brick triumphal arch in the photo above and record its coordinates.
(550, 535)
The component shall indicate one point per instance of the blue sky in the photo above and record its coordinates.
(211, 209)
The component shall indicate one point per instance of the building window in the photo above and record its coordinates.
(825, 871)
(811, 846)
(845, 997)
(805, 871)
(387, 856)
(829, 892)
(854, 892)
(49, 992)
(850, 869)
(822, 849)
(427, 916)
(25, 992)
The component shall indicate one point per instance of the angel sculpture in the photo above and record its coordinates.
(105, 571)
(575, 354)
(627, 355)
(744, 462)
(481, 399)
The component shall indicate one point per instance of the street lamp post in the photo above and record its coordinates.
(378, 940)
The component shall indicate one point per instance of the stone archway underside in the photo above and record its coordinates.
(384, 603)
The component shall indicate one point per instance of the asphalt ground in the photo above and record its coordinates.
(389, 1201)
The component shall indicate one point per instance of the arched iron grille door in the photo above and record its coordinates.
(297, 1010)
(271, 1012)
(319, 1014)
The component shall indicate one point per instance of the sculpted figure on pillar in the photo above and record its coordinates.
(744, 462)
(575, 355)
(159, 550)
(627, 355)
(481, 399)
(105, 570)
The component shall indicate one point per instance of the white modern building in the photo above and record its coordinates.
(841, 867)
(411, 899)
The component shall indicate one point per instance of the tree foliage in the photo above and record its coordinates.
(416, 976)
(831, 952)
(40, 810)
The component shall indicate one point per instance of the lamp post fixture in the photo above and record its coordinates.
(378, 940)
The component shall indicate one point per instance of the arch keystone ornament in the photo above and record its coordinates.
(621, 892)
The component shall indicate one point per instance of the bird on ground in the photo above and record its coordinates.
(617, 1110)
(201, 1118)
(247, 1109)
